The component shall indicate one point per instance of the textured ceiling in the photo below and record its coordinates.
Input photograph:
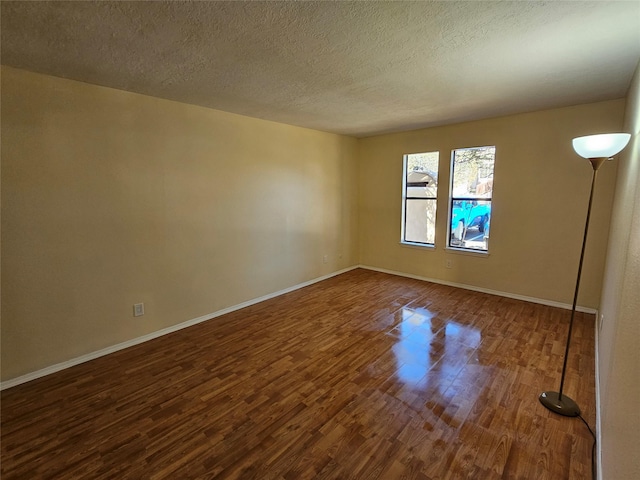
(357, 68)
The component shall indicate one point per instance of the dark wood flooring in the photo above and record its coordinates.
(364, 375)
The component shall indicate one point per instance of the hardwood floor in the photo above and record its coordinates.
(364, 375)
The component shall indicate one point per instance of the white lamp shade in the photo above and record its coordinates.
(600, 146)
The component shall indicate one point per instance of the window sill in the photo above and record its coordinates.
(417, 245)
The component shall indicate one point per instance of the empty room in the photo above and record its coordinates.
(320, 240)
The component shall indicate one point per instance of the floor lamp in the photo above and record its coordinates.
(596, 149)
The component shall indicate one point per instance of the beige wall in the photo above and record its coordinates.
(111, 198)
(540, 199)
(619, 354)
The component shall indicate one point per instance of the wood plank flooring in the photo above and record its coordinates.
(364, 375)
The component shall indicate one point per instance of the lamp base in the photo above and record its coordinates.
(566, 406)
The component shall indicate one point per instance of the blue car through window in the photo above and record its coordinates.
(469, 215)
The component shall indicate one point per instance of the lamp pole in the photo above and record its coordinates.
(597, 149)
(556, 401)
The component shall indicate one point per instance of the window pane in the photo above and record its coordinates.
(424, 162)
(471, 195)
(473, 172)
(420, 221)
(420, 191)
(422, 184)
(470, 220)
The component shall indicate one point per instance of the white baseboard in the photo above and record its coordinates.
(598, 416)
(150, 336)
(174, 328)
(515, 296)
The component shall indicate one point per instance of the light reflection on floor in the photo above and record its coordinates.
(430, 349)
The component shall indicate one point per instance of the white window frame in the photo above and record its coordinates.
(405, 197)
(451, 199)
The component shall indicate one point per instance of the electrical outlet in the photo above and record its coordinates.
(448, 263)
(138, 309)
(325, 259)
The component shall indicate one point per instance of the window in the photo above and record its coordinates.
(420, 185)
(470, 200)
